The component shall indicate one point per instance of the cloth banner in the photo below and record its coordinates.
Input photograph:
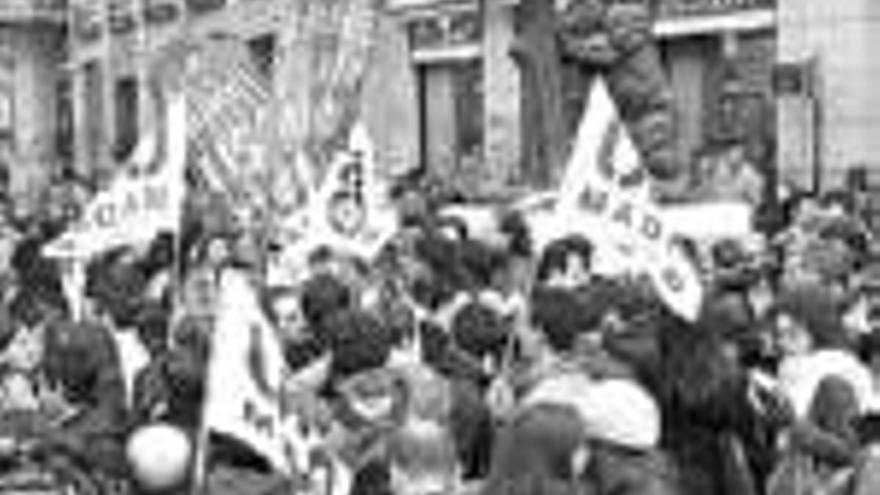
(605, 197)
(134, 209)
(323, 57)
(352, 211)
(232, 125)
(245, 374)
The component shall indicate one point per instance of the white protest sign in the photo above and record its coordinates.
(352, 211)
(596, 200)
(133, 209)
(732, 219)
(245, 374)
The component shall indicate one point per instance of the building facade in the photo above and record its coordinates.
(829, 109)
(32, 92)
(447, 95)
(112, 43)
(719, 55)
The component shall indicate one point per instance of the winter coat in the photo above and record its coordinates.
(616, 471)
(82, 360)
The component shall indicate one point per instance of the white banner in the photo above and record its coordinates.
(352, 211)
(604, 198)
(133, 209)
(245, 374)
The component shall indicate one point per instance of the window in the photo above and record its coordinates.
(64, 126)
(451, 103)
(126, 118)
(468, 94)
(262, 50)
(94, 112)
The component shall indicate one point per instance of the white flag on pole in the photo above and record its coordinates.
(133, 209)
(605, 197)
(245, 374)
(352, 211)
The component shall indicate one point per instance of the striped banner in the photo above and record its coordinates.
(229, 133)
(323, 59)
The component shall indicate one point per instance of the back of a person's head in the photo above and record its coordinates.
(323, 296)
(539, 442)
(535, 485)
(358, 342)
(480, 331)
(555, 256)
(814, 306)
(423, 455)
(562, 316)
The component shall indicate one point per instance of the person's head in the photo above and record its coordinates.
(481, 331)
(152, 328)
(287, 312)
(70, 356)
(562, 317)
(566, 262)
(694, 366)
(217, 251)
(358, 341)
(322, 296)
(542, 441)
(423, 459)
(808, 318)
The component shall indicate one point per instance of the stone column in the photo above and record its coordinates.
(501, 96)
(81, 134)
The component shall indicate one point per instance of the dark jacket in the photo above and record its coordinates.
(617, 471)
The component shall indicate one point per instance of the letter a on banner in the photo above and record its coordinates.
(605, 195)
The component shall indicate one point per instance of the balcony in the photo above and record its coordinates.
(684, 8)
(32, 11)
(694, 17)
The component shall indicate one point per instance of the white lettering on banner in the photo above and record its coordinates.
(604, 197)
(133, 209)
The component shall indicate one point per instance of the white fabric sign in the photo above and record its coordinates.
(133, 209)
(352, 211)
(245, 374)
(602, 197)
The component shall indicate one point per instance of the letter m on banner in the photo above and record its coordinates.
(245, 374)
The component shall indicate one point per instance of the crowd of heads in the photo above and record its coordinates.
(449, 358)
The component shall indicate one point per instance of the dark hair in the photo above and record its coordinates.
(480, 263)
(322, 296)
(480, 331)
(815, 307)
(695, 377)
(358, 342)
(514, 225)
(555, 255)
(534, 452)
(562, 316)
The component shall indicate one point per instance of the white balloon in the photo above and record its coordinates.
(159, 455)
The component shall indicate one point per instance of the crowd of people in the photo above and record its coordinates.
(452, 363)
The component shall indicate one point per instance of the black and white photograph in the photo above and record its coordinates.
(439, 247)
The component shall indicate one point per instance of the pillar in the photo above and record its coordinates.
(501, 93)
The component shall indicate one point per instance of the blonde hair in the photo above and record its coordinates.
(423, 447)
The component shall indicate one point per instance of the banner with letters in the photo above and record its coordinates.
(605, 196)
(245, 373)
(135, 208)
